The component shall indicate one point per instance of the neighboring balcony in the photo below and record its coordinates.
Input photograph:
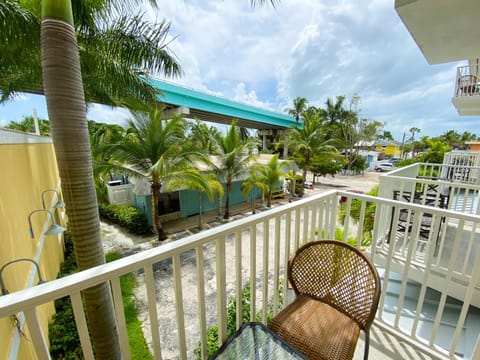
(430, 292)
(466, 98)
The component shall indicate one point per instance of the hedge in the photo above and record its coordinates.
(126, 216)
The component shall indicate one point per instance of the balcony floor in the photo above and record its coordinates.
(386, 346)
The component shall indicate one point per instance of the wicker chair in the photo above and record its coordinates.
(337, 290)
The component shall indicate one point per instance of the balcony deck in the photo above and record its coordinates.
(216, 263)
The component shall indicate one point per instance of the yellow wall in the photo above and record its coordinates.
(28, 170)
(392, 150)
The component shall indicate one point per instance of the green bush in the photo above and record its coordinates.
(63, 335)
(369, 220)
(212, 331)
(62, 332)
(126, 216)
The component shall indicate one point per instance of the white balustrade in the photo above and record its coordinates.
(189, 282)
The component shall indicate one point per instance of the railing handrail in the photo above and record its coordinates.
(311, 218)
(54, 289)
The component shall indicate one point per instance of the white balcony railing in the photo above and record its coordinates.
(457, 184)
(467, 82)
(216, 263)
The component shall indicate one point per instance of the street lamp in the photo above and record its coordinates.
(3, 288)
(59, 204)
(54, 229)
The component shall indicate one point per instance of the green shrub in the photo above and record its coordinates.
(62, 332)
(355, 210)
(126, 216)
(212, 331)
(63, 335)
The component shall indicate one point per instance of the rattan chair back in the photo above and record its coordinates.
(339, 275)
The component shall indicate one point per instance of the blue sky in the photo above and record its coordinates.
(315, 49)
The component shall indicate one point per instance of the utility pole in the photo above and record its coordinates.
(35, 122)
(401, 146)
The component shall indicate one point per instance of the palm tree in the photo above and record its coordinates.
(27, 124)
(270, 175)
(203, 135)
(213, 186)
(115, 50)
(250, 184)
(334, 112)
(308, 141)
(332, 116)
(63, 87)
(64, 91)
(385, 135)
(300, 104)
(292, 177)
(413, 130)
(156, 149)
(102, 138)
(234, 156)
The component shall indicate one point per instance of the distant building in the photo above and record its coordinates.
(389, 149)
(473, 145)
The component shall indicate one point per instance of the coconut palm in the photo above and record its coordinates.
(156, 149)
(251, 183)
(300, 104)
(270, 175)
(308, 141)
(115, 49)
(213, 187)
(234, 156)
(202, 135)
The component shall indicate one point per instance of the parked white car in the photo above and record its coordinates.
(384, 166)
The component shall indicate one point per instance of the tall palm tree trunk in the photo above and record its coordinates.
(156, 218)
(200, 223)
(227, 200)
(253, 200)
(67, 114)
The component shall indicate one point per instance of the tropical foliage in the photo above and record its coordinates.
(156, 149)
(117, 48)
(250, 184)
(300, 104)
(270, 175)
(234, 156)
(27, 124)
(308, 143)
(355, 212)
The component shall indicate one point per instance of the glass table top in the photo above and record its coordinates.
(255, 341)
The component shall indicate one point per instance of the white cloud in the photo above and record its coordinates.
(250, 98)
(106, 114)
(317, 49)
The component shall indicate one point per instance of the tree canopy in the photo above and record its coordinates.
(118, 48)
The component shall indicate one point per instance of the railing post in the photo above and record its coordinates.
(38, 338)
